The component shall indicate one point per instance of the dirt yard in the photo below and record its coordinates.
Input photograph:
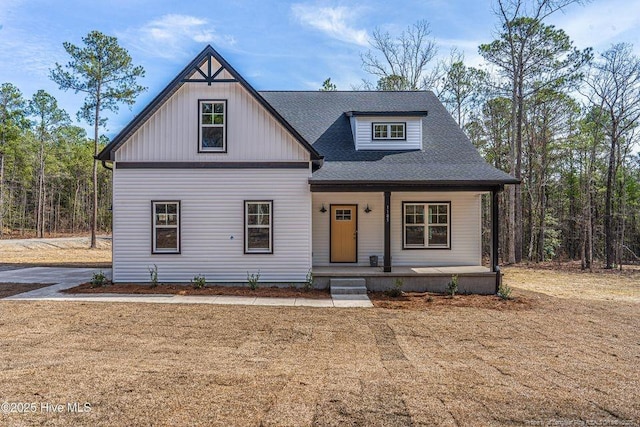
(568, 281)
(55, 252)
(559, 362)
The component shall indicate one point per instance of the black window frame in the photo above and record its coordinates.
(154, 250)
(225, 135)
(388, 125)
(248, 251)
(426, 226)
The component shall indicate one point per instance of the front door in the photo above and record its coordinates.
(344, 233)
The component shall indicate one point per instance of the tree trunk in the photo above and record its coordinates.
(608, 220)
(94, 211)
(518, 174)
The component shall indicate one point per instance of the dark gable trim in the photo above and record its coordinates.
(379, 187)
(212, 165)
(386, 113)
(426, 225)
(108, 153)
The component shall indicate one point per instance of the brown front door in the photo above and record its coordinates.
(344, 233)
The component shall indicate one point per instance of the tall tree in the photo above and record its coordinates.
(328, 86)
(404, 59)
(462, 87)
(614, 83)
(104, 72)
(12, 119)
(531, 56)
(48, 120)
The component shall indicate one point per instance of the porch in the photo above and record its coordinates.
(471, 278)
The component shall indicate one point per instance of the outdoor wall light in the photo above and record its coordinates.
(323, 209)
(367, 209)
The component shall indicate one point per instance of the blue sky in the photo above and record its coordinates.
(273, 44)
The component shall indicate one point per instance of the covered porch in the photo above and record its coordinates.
(383, 230)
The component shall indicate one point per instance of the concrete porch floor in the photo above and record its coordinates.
(335, 271)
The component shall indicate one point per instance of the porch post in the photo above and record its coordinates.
(495, 236)
(494, 230)
(387, 232)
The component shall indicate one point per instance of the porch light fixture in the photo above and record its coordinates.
(367, 209)
(323, 209)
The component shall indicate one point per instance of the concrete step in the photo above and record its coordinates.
(348, 286)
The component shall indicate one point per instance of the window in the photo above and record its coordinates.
(426, 225)
(258, 223)
(343, 214)
(213, 126)
(389, 131)
(166, 227)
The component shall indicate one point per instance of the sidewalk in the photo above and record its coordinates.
(65, 278)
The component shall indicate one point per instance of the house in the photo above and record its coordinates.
(216, 178)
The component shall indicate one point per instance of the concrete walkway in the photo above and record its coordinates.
(64, 278)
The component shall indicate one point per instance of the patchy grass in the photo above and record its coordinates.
(562, 361)
(55, 252)
(10, 289)
(568, 281)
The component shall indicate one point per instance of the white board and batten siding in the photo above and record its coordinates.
(465, 220)
(361, 127)
(212, 199)
(212, 224)
(171, 133)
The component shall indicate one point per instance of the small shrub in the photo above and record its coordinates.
(452, 287)
(429, 298)
(308, 283)
(98, 279)
(153, 275)
(198, 281)
(396, 290)
(504, 291)
(253, 280)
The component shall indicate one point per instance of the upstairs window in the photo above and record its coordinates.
(426, 225)
(212, 127)
(388, 131)
(166, 227)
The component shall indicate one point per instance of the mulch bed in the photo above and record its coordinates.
(11, 289)
(132, 288)
(428, 300)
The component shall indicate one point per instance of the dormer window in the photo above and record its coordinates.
(386, 131)
(212, 126)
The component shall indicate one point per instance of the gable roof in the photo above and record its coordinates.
(447, 158)
(209, 52)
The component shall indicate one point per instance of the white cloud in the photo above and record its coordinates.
(601, 23)
(333, 21)
(167, 36)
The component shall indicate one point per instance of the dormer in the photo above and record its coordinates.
(382, 130)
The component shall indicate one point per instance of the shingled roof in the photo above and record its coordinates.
(448, 157)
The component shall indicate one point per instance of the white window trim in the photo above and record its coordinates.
(247, 250)
(388, 131)
(426, 225)
(155, 226)
(222, 149)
